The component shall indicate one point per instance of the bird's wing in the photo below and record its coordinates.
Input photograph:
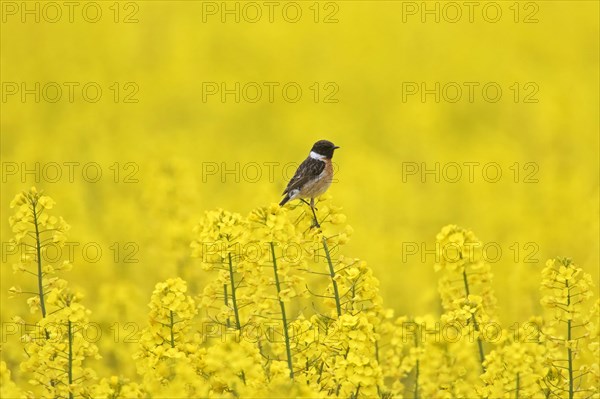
(308, 170)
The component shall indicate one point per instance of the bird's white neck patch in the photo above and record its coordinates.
(314, 155)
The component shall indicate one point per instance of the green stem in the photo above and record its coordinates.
(70, 365)
(569, 350)
(377, 360)
(172, 324)
(238, 325)
(39, 258)
(283, 316)
(518, 387)
(357, 391)
(337, 391)
(322, 365)
(233, 297)
(416, 394)
(336, 292)
(226, 299)
(475, 324)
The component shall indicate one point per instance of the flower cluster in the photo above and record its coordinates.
(56, 345)
(167, 337)
(286, 314)
(465, 288)
(35, 230)
(517, 366)
(31, 220)
(351, 369)
(218, 235)
(569, 332)
(59, 345)
(8, 389)
(115, 387)
(469, 303)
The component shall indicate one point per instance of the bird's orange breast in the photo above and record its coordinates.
(319, 185)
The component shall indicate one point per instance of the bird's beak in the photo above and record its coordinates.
(335, 147)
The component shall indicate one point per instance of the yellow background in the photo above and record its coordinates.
(171, 134)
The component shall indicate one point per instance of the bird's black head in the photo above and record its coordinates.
(324, 148)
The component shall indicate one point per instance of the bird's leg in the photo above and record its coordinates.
(312, 208)
(305, 201)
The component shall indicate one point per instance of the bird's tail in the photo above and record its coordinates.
(284, 200)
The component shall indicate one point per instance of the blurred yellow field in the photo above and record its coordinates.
(145, 145)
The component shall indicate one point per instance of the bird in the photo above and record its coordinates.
(313, 177)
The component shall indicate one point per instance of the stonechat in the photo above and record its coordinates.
(313, 177)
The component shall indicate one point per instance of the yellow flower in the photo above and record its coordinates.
(566, 290)
(218, 234)
(8, 389)
(59, 345)
(168, 335)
